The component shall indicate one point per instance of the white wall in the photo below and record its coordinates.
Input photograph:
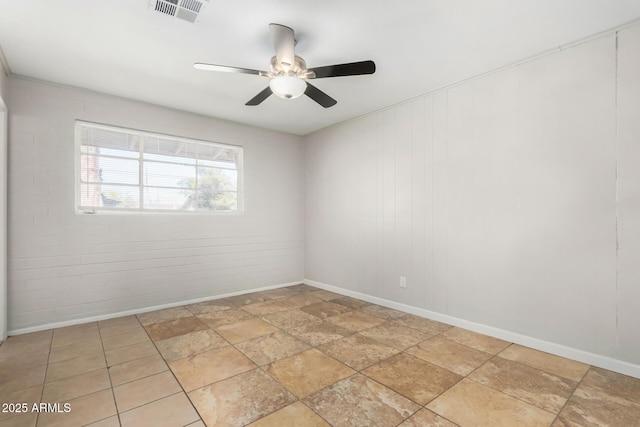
(496, 198)
(67, 266)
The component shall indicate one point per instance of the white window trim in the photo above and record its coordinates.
(141, 210)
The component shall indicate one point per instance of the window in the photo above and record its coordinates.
(128, 170)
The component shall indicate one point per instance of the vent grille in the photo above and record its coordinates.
(187, 10)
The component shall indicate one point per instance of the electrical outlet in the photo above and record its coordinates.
(403, 282)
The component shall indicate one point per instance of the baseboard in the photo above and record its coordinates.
(593, 359)
(78, 321)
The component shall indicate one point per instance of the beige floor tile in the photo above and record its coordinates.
(383, 312)
(357, 351)
(76, 386)
(396, 335)
(240, 400)
(75, 334)
(352, 303)
(450, 355)
(291, 318)
(424, 418)
(72, 351)
(317, 333)
(21, 420)
(411, 377)
(172, 411)
(245, 329)
(209, 306)
(123, 321)
(308, 372)
(72, 367)
(246, 299)
(107, 422)
(537, 387)
(295, 415)
(189, 344)
(220, 318)
(355, 320)
(17, 379)
(133, 336)
(163, 315)
(129, 353)
(302, 300)
(613, 383)
(325, 295)
(470, 404)
(324, 309)
(84, 410)
(145, 390)
(270, 348)
(118, 328)
(360, 402)
(281, 293)
(197, 424)
(174, 328)
(209, 367)
(593, 407)
(429, 326)
(19, 360)
(475, 340)
(38, 342)
(556, 365)
(28, 395)
(136, 369)
(303, 288)
(267, 307)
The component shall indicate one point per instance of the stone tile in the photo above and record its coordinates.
(189, 344)
(77, 386)
(267, 307)
(455, 357)
(21, 420)
(270, 348)
(475, 340)
(75, 334)
(84, 410)
(245, 329)
(302, 300)
(79, 365)
(240, 400)
(18, 379)
(280, 293)
(593, 407)
(112, 329)
(425, 418)
(357, 351)
(145, 390)
(325, 295)
(28, 395)
(123, 321)
(428, 326)
(175, 410)
(72, 351)
(396, 335)
(246, 299)
(133, 336)
(173, 328)
(296, 415)
(129, 353)
(613, 383)
(308, 372)
(226, 317)
(197, 424)
(324, 309)
(209, 306)
(19, 360)
(209, 367)
(556, 365)
(26, 343)
(360, 402)
(531, 385)
(317, 333)
(352, 303)
(303, 288)
(383, 312)
(291, 318)
(136, 369)
(469, 403)
(107, 422)
(411, 377)
(164, 315)
(355, 320)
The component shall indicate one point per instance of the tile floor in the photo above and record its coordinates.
(298, 356)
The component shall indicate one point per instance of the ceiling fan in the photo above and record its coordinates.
(289, 73)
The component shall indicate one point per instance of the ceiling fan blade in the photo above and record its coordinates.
(319, 96)
(226, 69)
(284, 43)
(341, 70)
(257, 100)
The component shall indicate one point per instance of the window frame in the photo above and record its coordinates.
(78, 124)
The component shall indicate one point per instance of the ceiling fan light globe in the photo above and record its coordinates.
(287, 87)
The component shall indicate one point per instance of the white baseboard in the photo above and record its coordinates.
(594, 359)
(78, 321)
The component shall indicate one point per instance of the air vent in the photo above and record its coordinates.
(187, 10)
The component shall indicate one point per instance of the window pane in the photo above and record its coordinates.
(169, 198)
(168, 175)
(169, 150)
(121, 197)
(215, 179)
(110, 170)
(218, 201)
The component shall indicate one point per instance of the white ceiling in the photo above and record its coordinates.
(122, 47)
